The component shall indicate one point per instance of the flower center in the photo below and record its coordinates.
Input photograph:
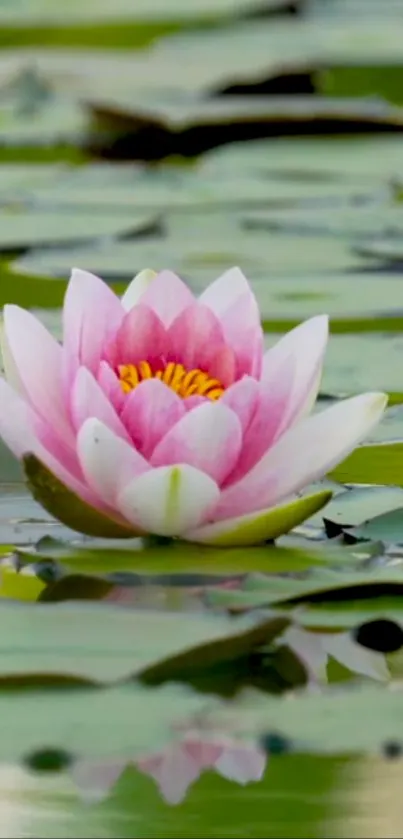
(184, 382)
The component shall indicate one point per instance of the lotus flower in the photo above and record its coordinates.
(160, 413)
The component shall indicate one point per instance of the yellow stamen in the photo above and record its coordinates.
(184, 382)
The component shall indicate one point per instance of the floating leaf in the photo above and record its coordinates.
(372, 465)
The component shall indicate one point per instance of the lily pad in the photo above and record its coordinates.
(375, 464)
(114, 721)
(324, 585)
(375, 158)
(198, 259)
(387, 526)
(349, 222)
(109, 644)
(357, 504)
(305, 721)
(194, 127)
(41, 11)
(20, 228)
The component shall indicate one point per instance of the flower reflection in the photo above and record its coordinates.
(177, 767)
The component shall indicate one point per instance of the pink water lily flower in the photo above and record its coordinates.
(161, 413)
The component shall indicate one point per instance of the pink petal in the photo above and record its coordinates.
(110, 384)
(38, 360)
(168, 296)
(233, 302)
(242, 763)
(174, 771)
(204, 752)
(141, 337)
(243, 331)
(304, 454)
(91, 314)
(194, 401)
(94, 779)
(208, 438)
(88, 400)
(135, 290)
(242, 397)
(194, 338)
(63, 450)
(221, 295)
(223, 366)
(272, 403)
(17, 428)
(149, 412)
(107, 461)
(307, 345)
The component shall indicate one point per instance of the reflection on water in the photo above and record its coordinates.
(300, 797)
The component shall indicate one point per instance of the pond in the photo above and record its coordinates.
(153, 688)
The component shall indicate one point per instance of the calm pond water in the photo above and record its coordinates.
(198, 135)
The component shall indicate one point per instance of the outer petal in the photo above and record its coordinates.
(17, 428)
(136, 289)
(306, 344)
(256, 528)
(10, 368)
(303, 454)
(107, 461)
(195, 337)
(169, 500)
(209, 438)
(141, 337)
(88, 400)
(168, 296)
(149, 412)
(221, 295)
(273, 402)
(233, 302)
(37, 360)
(91, 314)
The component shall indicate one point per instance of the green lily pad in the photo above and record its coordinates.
(199, 256)
(372, 221)
(323, 585)
(373, 158)
(20, 228)
(385, 249)
(349, 614)
(102, 643)
(375, 464)
(305, 721)
(354, 506)
(103, 557)
(387, 526)
(39, 11)
(127, 720)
